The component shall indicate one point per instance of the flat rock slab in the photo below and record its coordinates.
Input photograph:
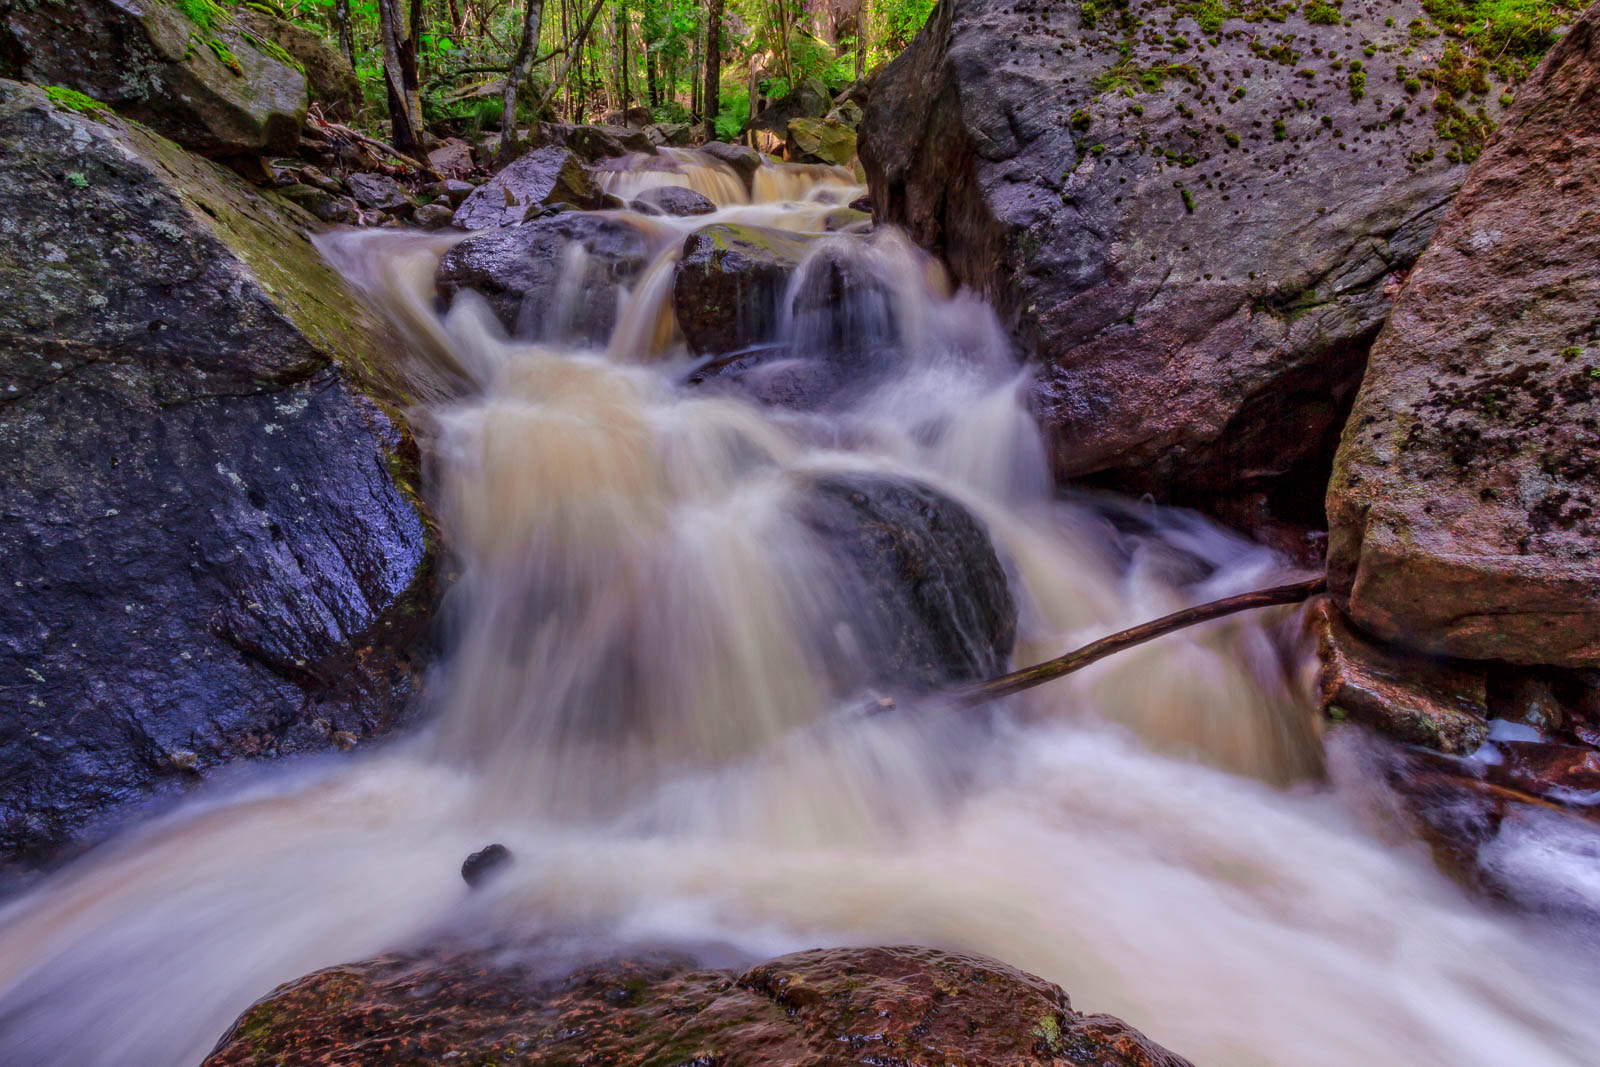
(1465, 502)
(810, 1009)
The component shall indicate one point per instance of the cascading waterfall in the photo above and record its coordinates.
(654, 700)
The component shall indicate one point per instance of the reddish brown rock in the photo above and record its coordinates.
(825, 1007)
(1465, 501)
(1411, 698)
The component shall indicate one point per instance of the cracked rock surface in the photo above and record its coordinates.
(211, 549)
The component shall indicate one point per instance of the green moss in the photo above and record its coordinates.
(273, 50)
(1358, 85)
(223, 53)
(77, 180)
(1319, 13)
(1128, 75)
(1232, 139)
(1188, 200)
(1279, 130)
(205, 14)
(1509, 35)
(73, 100)
(1412, 85)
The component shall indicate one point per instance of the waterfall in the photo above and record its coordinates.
(654, 696)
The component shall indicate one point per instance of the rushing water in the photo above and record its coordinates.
(642, 703)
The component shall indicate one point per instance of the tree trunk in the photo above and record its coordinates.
(347, 41)
(863, 20)
(521, 63)
(458, 19)
(783, 42)
(400, 77)
(574, 51)
(713, 90)
(624, 89)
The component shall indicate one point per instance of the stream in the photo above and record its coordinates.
(659, 694)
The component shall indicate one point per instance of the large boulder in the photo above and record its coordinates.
(808, 100)
(675, 200)
(213, 546)
(826, 1006)
(214, 85)
(522, 191)
(1187, 212)
(527, 274)
(334, 86)
(1465, 503)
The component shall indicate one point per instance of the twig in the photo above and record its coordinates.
(1039, 673)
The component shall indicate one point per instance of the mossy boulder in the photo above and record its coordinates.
(196, 71)
(1191, 215)
(333, 83)
(809, 1009)
(1465, 503)
(821, 141)
(214, 550)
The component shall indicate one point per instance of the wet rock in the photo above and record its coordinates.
(433, 216)
(329, 207)
(744, 160)
(1437, 703)
(556, 278)
(1465, 504)
(213, 549)
(334, 87)
(379, 192)
(820, 141)
(672, 200)
(215, 88)
(829, 1006)
(919, 569)
(730, 284)
(314, 176)
(1193, 244)
(482, 864)
(540, 179)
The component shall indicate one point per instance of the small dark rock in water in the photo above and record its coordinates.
(481, 864)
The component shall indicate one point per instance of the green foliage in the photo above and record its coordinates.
(1319, 13)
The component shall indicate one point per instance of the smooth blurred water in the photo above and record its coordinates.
(638, 703)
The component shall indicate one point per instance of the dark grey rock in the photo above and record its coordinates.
(379, 192)
(538, 180)
(672, 200)
(212, 552)
(522, 272)
(433, 216)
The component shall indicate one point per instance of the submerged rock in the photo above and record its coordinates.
(213, 550)
(828, 1006)
(221, 88)
(482, 864)
(534, 182)
(925, 592)
(1187, 218)
(556, 278)
(1465, 503)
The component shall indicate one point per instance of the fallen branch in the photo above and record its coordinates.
(1039, 673)
(341, 130)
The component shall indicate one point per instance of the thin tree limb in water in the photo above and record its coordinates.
(1049, 670)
